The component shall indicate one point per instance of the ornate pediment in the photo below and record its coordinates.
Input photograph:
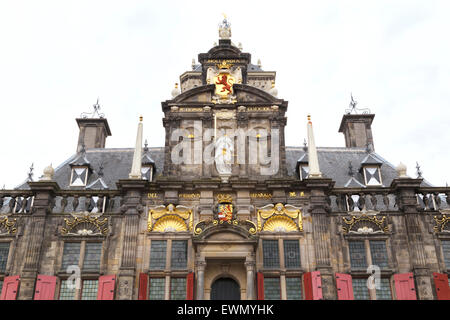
(365, 224)
(170, 218)
(85, 224)
(279, 218)
(204, 228)
(441, 222)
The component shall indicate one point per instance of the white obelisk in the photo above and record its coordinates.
(313, 161)
(137, 157)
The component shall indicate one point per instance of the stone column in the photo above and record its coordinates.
(405, 189)
(250, 290)
(201, 265)
(34, 234)
(319, 208)
(132, 208)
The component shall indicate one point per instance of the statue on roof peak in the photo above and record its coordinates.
(225, 28)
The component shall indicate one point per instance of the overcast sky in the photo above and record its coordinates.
(57, 57)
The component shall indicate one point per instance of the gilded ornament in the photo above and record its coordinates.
(170, 210)
(279, 209)
(8, 226)
(441, 223)
(361, 227)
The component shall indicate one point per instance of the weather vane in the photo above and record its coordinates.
(353, 108)
(419, 173)
(30, 173)
(96, 107)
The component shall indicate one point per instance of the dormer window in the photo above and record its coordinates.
(372, 175)
(147, 172)
(79, 176)
(303, 171)
(371, 167)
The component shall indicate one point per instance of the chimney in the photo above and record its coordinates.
(357, 130)
(93, 132)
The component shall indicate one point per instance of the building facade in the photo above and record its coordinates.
(225, 210)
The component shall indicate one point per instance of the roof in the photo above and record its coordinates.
(117, 162)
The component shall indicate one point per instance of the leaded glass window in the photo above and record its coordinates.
(446, 251)
(293, 288)
(89, 291)
(158, 254)
(157, 288)
(372, 176)
(291, 253)
(384, 292)
(272, 289)
(92, 254)
(66, 292)
(71, 254)
(357, 255)
(360, 290)
(379, 253)
(177, 288)
(271, 254)
(4, 252)
(179, 254)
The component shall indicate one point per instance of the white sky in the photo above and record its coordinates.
(57, 57)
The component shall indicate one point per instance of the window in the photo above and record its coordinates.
(293, 288)
(146, 172)
(372, 175)
(360, 290)
(89, 290)
(1, 285)
(79, 176)
(378, 253)
(177, 288)
(271, 254)
(179, 254)
(384, 292)
(446, 251)
(66, 293)
(4, 252)
(357, 255)
(158, 254)
(71, 254)
(272, 289)
(291, 253)
(92, 254)
(303, 171)
(157, 288)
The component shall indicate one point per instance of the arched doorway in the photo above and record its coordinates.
(225, 289)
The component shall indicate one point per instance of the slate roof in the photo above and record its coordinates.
(117, 162)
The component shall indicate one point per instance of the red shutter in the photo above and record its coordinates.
(45, 287)
(190, 286)
(10, 288)
(404, 286)
(313, 285)
(143, 285)
(106, 286)
(344, 286)
(442, 287)
(260, 280)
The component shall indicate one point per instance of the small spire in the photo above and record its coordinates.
(175, 91)
(419, 173)
(313, 160)
(259, 63)
(225, 29)
(95, 113)
(350, 169)
(145, 146)
(100, 170)
(193, 63)
(240, 46)
(305, 148)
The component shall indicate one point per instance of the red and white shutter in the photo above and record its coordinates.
(441, 285)
(10, 288)
(313, 285)
(45, 287)
(404, 286)
(143, 286)
(260, 282)
(344, 286)
(106, 285)
(190, 286)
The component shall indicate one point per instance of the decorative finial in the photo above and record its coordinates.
(401, 170)
(273, 91)
(100, 170)
(141, 118)
(225, 29)
(305, 145)
(193, 63)
(30, 173)
(93, 114)
(419, 173)
(353, 108)
(240, 46)
(350, 169)
(48, 173)
(175, 91)
(309, 118)
(146, 145)
(259, 63)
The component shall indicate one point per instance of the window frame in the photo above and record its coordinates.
(378, 167)
(85, 178)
